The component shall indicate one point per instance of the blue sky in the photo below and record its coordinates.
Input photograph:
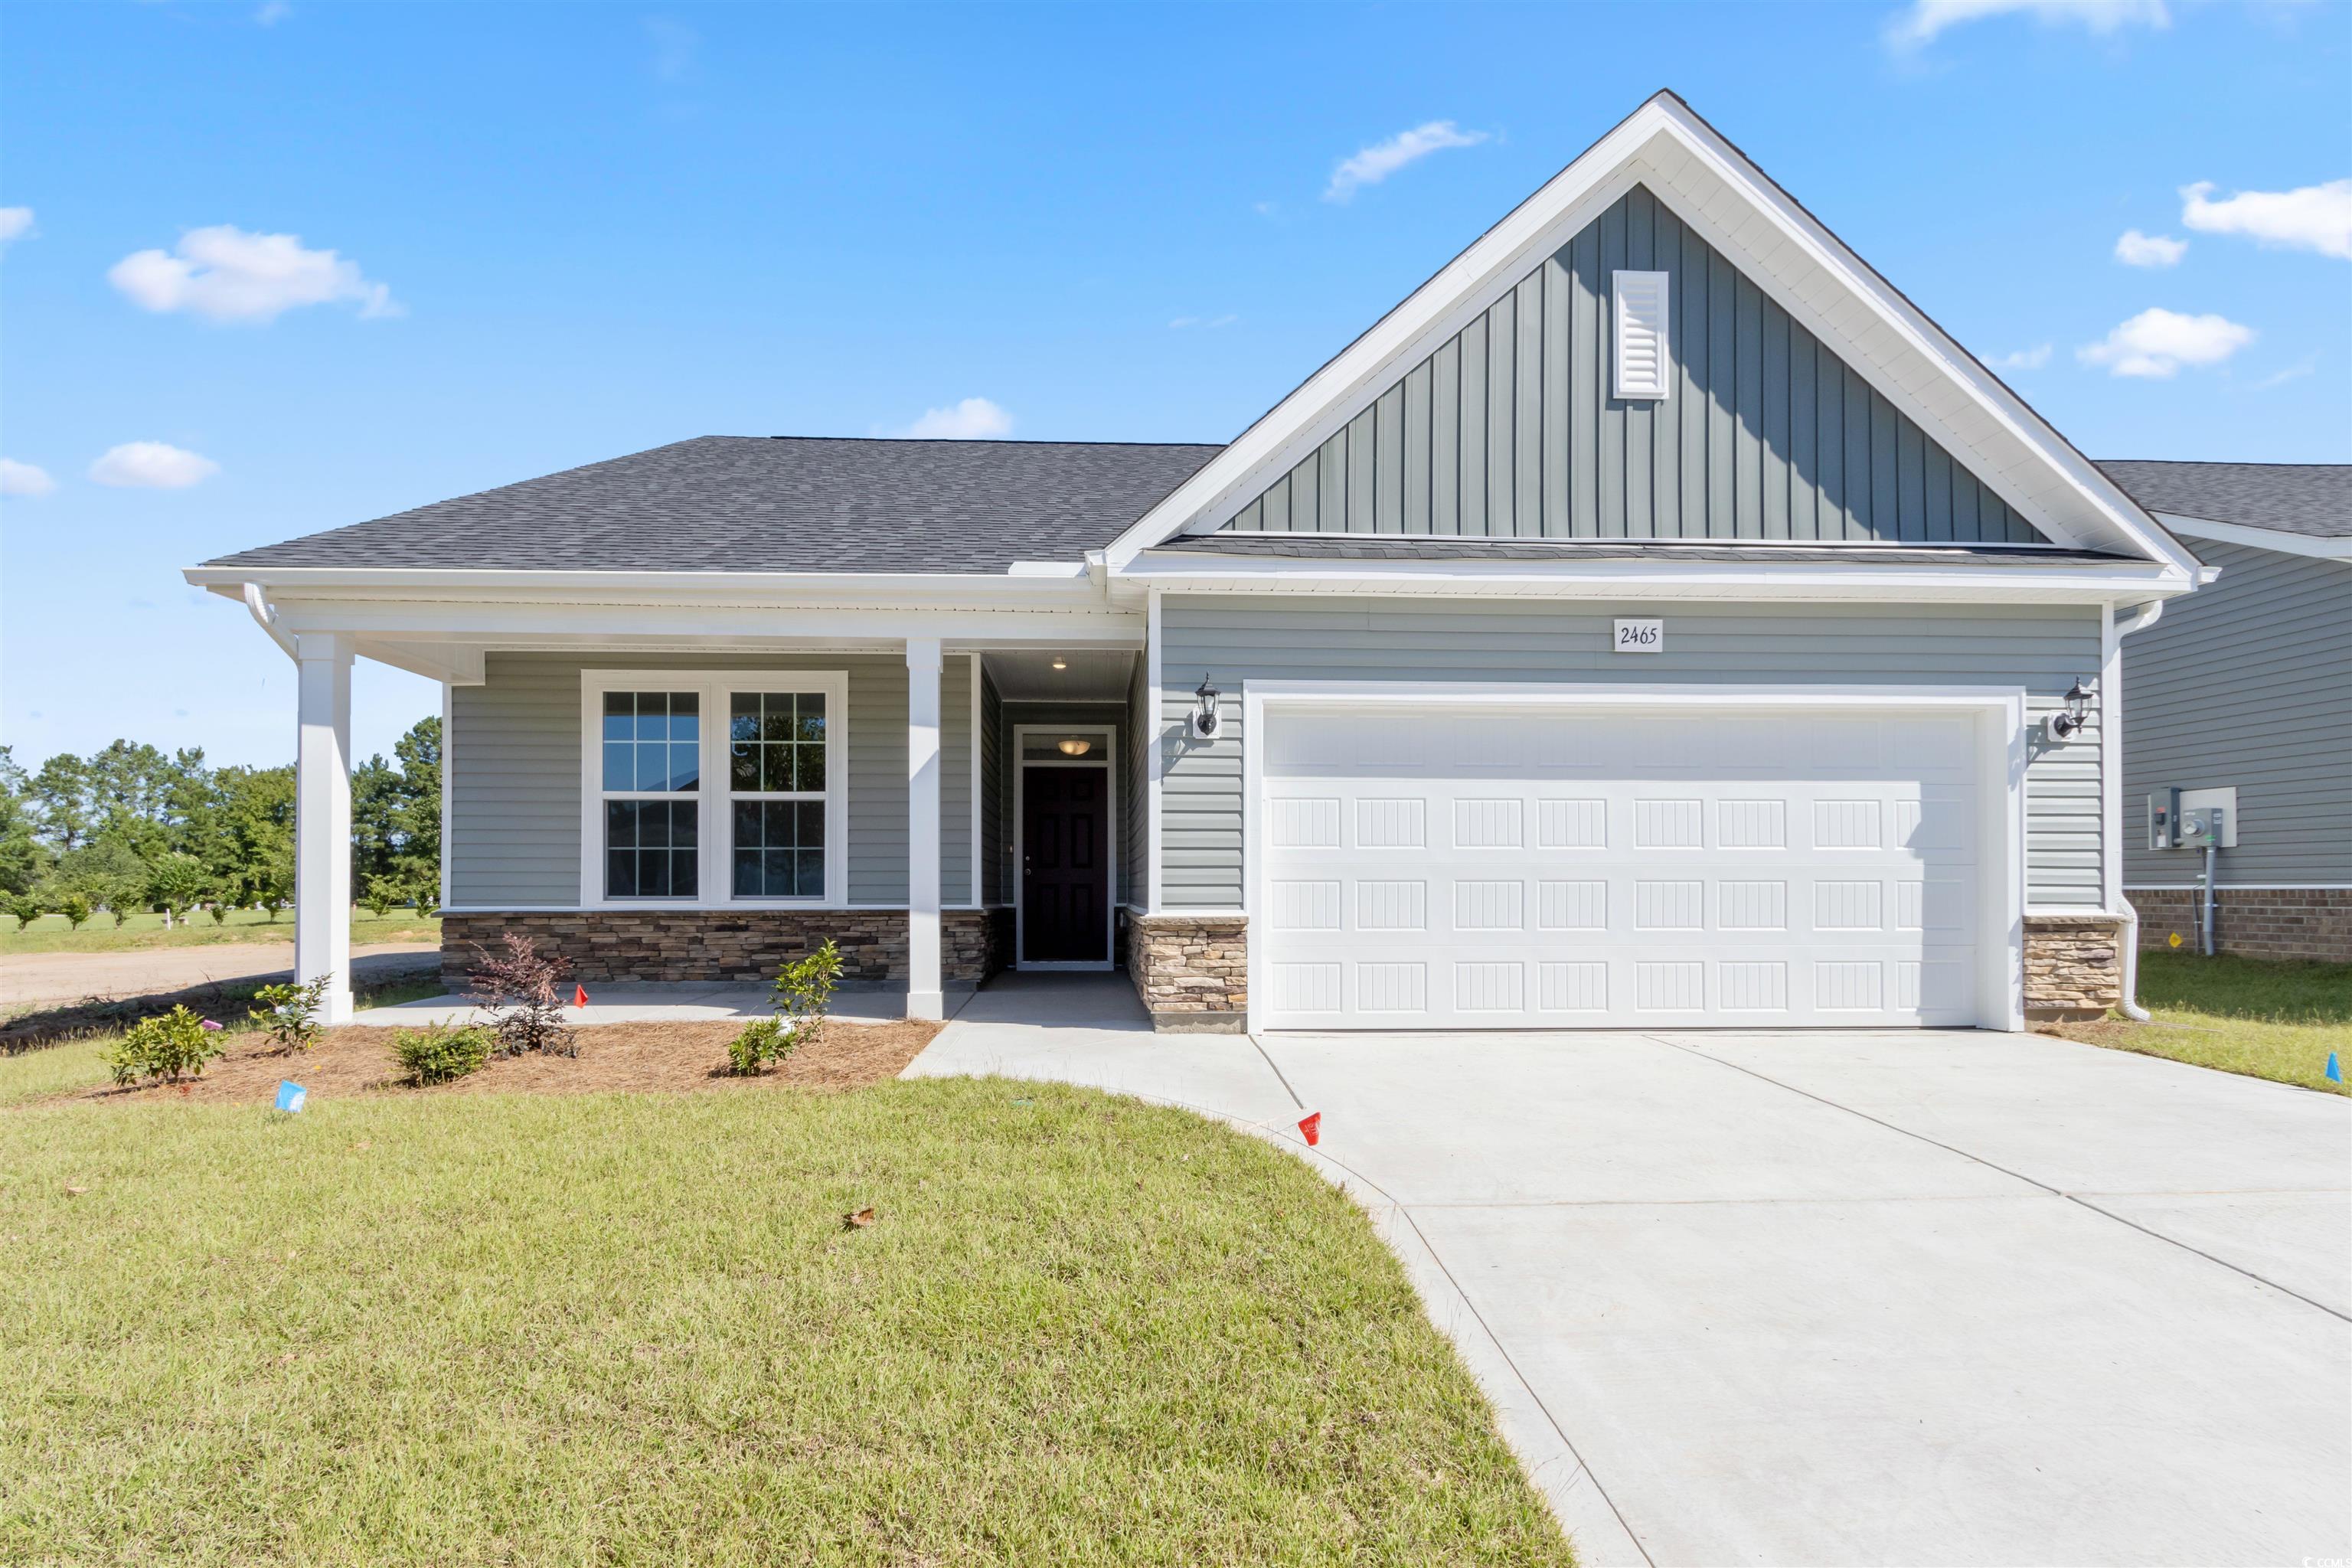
(561, 234)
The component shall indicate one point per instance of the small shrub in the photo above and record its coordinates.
(804, 989)
(218, 910)
(75, 907)
(379, 897)
(289, 1013)
(440, 1052)
(519, 986)
(165, 1047)
(26, 908)
(763, 1040)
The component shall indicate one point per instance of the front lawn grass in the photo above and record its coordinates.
(635, 1328)
(2263, 1017)
(52, 934)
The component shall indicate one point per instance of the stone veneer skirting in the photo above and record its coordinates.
(2072, 965)
(746, 946)
(1191, 972)
(2258, 923)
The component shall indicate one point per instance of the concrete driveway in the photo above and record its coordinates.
(1829, 1298)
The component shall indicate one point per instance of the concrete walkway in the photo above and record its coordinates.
(1828, 1298)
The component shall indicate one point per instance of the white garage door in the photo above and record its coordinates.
(1469, 868)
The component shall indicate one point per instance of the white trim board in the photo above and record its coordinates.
(2002, 754)
(2285, 544)
(1823, 285)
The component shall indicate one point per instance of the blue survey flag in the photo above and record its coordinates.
(2335, 1070)
(290, 1094)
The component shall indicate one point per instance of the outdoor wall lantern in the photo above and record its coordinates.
(1204, 718)
(2077, 713)
(1074, 747)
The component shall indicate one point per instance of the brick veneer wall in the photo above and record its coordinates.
(1193, 973)
(747, 945)
(2258, 923)
(2072, 965)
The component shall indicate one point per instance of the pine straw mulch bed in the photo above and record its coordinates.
(643, 1056)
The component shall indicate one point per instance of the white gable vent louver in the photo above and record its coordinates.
(1642, 369)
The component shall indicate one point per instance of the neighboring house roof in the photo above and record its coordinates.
(2314, 500)
(757, 503)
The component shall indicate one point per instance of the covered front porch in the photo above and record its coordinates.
(693, 808)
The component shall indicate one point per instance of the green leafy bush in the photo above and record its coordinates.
(805, 989)
(165, 1047)
(763, 1040)
(75, 907)
(290, 1013)
(440, 1052)
(26, 908)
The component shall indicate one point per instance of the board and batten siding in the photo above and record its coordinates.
(2041, 648)
(514, 811)
(2247, 683)
(1508, 429)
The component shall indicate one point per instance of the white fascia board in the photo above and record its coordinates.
(511, 623)
(772, 588)
(2130, 582)
(1664, 137)
(2285, 544)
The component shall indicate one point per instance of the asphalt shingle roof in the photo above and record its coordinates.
(757, 503)
(2310, 498)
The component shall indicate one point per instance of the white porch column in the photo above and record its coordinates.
(925, 997)
(322, 818)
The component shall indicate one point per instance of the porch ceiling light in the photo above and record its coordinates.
(2077, 713)
(1061, 664)
(1075, 748)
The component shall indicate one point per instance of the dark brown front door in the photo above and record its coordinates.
(1065, 865)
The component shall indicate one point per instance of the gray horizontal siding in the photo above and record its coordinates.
(514, 805)
(1508, 429)
(2041, 648)
(2247, 683)
(1135, 823)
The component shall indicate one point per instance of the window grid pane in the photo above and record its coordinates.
(651, 848)
(779, 849)
(653, 742)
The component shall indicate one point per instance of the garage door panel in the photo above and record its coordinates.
(1809, 879)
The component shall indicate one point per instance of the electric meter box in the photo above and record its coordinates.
(2193, 818)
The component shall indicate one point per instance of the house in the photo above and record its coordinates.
(2242, 696)
(1654, 619)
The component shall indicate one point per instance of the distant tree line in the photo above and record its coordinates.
(129, 829)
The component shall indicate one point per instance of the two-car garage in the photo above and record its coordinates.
(1660, 860)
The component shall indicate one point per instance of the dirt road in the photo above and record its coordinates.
(34, 978)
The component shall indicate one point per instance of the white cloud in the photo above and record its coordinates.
(2156, 343)
(2295, 371)
(2314, 218)
(1211, 322)
(2134, 249)
(225, 274)
(24, 479)
(152, 466)
(1376, 163)
(973, 419)
(272, 12)
(2033, 358)
(1920, 24)
(15, 222)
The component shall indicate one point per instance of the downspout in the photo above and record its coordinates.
(267, 619)
(2144, 618)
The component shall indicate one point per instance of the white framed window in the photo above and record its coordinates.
(704, 789)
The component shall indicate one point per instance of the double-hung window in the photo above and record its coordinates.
(714, 788)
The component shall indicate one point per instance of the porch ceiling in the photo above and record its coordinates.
(1089, 677)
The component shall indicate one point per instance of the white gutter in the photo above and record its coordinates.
(2335, 548)
(2145, 616)
(266, 618)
